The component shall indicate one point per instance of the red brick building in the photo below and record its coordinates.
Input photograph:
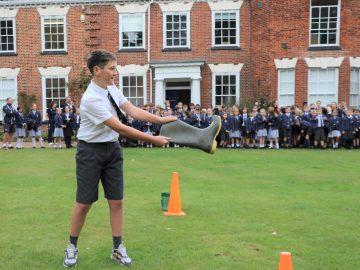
(208, 52)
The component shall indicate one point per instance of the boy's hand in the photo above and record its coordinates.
(161, 140)
(167, 119)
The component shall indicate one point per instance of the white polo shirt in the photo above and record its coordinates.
(95, 109)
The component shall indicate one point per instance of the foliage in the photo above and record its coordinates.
(26, 101)
(78, 85)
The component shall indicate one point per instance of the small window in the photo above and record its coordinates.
(55, 90)
(133, 89)
(324, 24)
(286, 87)
(132, 31)
(355, 87)
(226, 89)
(323, 85)
(176, 30)
(7, 35)
(7, 89)
(226, 28)
(54, 33)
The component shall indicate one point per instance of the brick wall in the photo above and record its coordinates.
(265, 26)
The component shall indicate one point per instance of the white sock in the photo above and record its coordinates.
(41, 142)
(33, 141)
(277, 146)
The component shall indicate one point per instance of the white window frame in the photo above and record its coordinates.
(121, 31)
(187, 29)
(337, 29)
(352, 84)
(43, 33)
(15, 98)
(14, 33)
(237, 93)
(279, 86)
(237, 12)
(43, 90)
(134, 75)
(336, 84)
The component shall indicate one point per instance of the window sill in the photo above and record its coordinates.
(54, 53)
(325, 48)
(125, 50)
(8, 54)
(176, 49)
(219, 48)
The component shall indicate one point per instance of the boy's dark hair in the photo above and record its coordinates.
(99, 58)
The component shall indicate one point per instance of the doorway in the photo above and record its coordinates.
(178, 92)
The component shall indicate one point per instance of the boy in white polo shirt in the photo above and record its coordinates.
(99, 155)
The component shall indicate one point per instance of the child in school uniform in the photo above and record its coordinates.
(287, 122)
(357, 128)
(77, 121)
(20, 128)
(68, 122)
(319, 122)
(147, 128)
(250, 129)
(244, 134)
(235, 125)
(225, 130)
(274, 125)
(204, 119)
(334, 126)
(209, 115)
(196, 118)
(58, 131)
(261, 127)
(348, 128)
(33, 123)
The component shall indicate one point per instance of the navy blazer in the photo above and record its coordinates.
(274, 121)
(314, 121)
(9, 112)
(334, 123)
(235, 124)
(225, 125)
(250, 124)
(147, 126)
(34, 120)
(58, 121)
(287, 121)
(68, 130)
(51, 115)
(348, 124)
(196, 120)
(20, 119)
(261, 121)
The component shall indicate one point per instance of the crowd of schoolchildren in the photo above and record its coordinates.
(63, 122)
(311, 126)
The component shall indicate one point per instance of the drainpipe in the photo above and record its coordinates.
(148, 49)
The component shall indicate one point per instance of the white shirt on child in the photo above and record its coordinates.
(95, 109)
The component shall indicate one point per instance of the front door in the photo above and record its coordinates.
(178, 92)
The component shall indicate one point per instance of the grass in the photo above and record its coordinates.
(243, 208)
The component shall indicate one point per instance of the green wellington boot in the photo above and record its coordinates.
(186, 135)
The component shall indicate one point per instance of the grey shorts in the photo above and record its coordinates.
(95, 162)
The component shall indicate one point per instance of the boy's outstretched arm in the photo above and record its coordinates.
(129, 132)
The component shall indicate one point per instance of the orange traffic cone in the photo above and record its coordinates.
(174, 208)
(285, 261)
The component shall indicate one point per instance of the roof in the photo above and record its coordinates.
(16, 3)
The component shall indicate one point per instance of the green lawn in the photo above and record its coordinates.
(243, 208)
